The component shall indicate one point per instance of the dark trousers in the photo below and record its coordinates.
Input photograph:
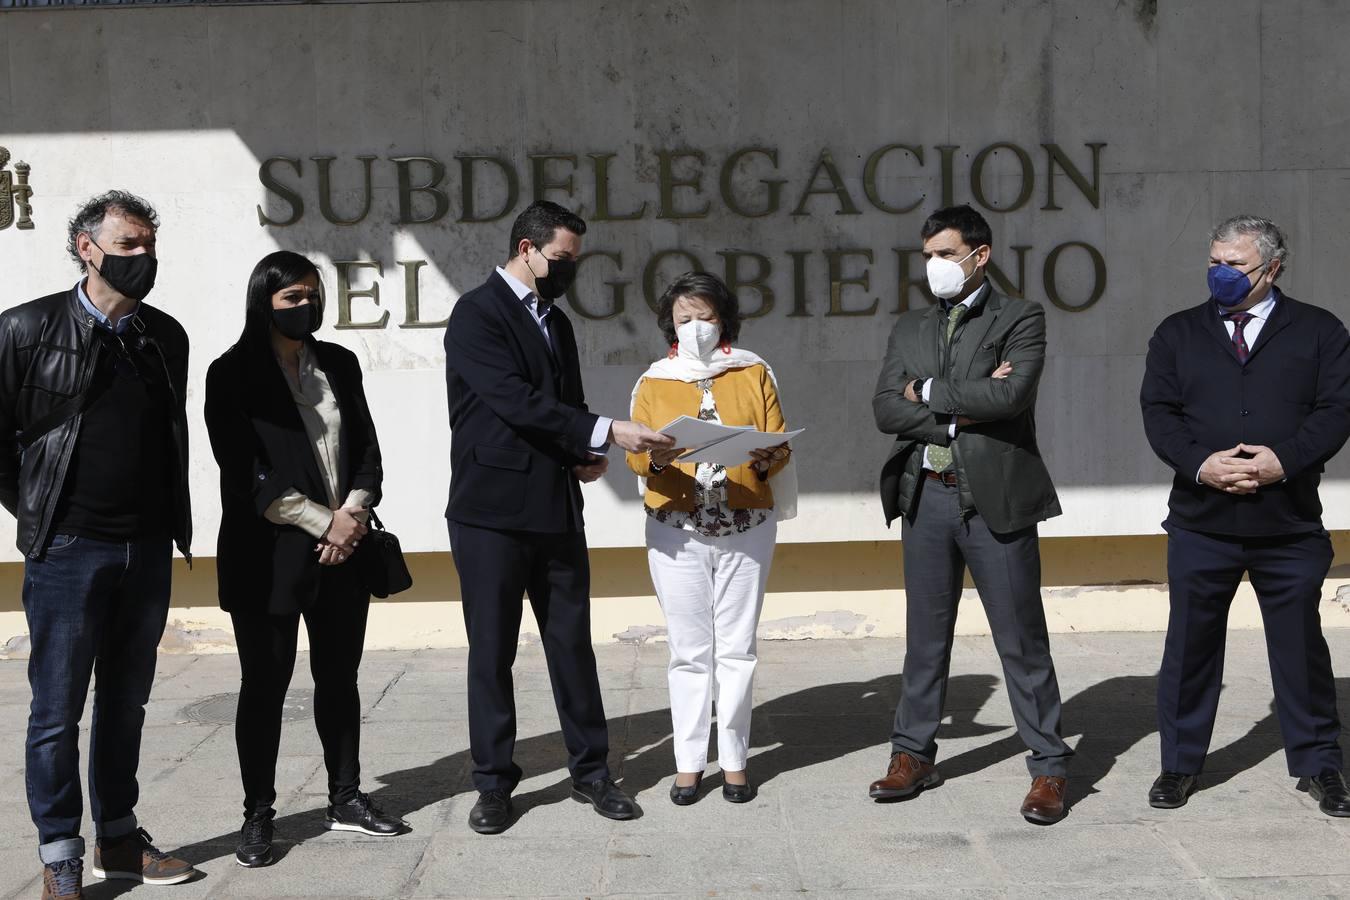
(496, 570)
(336, 623)
(1203, 573)
(938, 546)
(94, 608)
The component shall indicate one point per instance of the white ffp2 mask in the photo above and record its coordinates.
(698, 339)
(946, 278)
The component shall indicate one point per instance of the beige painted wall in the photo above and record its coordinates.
(842, 590)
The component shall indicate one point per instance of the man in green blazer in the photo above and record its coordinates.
(958, 390)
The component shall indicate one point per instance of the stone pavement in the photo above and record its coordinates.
(823, 715)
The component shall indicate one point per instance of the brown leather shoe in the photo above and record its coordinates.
(1045, 801)
(904, 777)
(62, 880)
(134, 857)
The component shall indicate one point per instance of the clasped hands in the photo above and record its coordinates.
(339, 542)
(1241, 469)
(912, 393)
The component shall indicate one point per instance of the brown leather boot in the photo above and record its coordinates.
(1044, 804)
(905, 776)
(62, 880)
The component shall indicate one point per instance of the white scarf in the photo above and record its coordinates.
(689, 368)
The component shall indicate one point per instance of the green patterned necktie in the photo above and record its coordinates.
(940, 458)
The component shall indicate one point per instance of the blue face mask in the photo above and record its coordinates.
(1229, 286)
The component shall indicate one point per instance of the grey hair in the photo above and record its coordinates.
(88, 219)
(1270, 242)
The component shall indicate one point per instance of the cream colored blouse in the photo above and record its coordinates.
(318, 408)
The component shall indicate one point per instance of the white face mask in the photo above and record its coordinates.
(946, 278)
(698, 339)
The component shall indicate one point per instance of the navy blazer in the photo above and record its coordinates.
(1292, 395)
(260, 443)
(518, 416)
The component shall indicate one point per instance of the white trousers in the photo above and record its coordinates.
(711, 591)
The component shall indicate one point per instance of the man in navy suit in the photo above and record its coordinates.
(1246, 397)
(522, 441)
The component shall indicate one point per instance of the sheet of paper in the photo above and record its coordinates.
(734, 450)
(692, 433)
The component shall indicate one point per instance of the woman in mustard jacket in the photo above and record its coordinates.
(710, 529)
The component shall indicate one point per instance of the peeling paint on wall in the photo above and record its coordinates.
(824, 624)
(16, 647)
(640, 634)
(181, 637)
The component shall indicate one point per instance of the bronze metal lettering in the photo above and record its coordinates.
(774, 185)
(652, 269)
(14, 194)
(668, 182)
(798, 284)
(826, 164)
(290, 196)
(325, 164)
(412, 297)
(22, 194)
(835, 260)
(600, 163)
(1001, 281)
(908, 282)
(617, 288)
(946, 152)
(1098, 276)
(977, 177)
(870, 178)
(759, 282)
(539, 170)
(1091, 191)
(345, 292)
(406, 189)
(467, 193)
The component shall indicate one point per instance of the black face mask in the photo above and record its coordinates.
(298, 322)
(554, 283)
(130, 276)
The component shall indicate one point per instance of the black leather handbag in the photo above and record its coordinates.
(379, 558)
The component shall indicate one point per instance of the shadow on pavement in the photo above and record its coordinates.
(803, 728)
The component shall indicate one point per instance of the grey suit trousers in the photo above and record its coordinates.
(938, 546)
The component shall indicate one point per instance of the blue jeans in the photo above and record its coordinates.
(93, 607)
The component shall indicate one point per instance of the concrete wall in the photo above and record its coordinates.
(1160, 119)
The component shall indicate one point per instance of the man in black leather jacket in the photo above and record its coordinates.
(93, 463)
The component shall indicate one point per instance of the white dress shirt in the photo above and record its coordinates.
(540, 313)
(1259, 313)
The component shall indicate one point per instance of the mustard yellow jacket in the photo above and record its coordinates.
(743, 397)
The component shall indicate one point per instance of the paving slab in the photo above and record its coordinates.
(820, 734)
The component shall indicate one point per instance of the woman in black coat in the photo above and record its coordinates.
(299, 471)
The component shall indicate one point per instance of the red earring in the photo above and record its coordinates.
(726, 347)
(674, 349)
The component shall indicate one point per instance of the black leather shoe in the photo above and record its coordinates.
(492, 813)
(359, 814)
(738, 793)
(1171, 790)
(1330, 792)
(608, 800)
(684, 795)
(255, 841)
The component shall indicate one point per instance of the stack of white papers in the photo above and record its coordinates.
(724, 445)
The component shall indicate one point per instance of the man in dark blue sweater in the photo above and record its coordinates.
(1246, 397)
